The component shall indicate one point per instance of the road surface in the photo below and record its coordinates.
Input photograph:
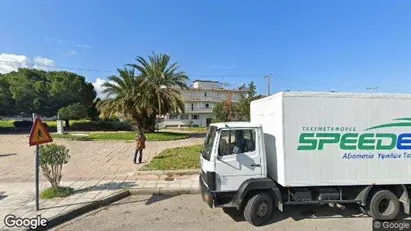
(188, 212)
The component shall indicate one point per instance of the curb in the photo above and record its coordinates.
(69, 215)
(164, 191)
(167, 172)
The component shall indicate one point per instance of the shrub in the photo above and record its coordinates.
(82, 138)
(26, 124)
(50, 193)
(22, 124)
(101, 126)
(52, 158)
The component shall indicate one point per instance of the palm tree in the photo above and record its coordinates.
(156, 90)
(125, 97)
(164, 81)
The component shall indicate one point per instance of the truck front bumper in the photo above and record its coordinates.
(205, 193)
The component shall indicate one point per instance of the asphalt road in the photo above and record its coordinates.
(188, 212)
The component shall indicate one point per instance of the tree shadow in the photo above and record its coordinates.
(65, 205)
(106, 186)
(5, 155)
(197, 135)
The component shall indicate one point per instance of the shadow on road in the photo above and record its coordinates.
(106, 186)
(301, 212)
(5, 155)
(153, 199)
(2, 195)
(156, 198)
(64, 205)
(197, 135)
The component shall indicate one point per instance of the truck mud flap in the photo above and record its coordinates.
(205, 193)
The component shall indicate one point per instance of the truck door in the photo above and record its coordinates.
(238, 158)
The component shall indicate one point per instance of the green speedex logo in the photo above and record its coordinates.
(348, 139)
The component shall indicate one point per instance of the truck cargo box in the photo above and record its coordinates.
(320, 139)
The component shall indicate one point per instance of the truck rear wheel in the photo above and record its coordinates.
(258, 209)
(384, 205)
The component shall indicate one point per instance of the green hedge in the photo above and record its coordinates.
(101, 126)
(75, 125)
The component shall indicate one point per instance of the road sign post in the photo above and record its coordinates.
(37, 178)
(38, 135)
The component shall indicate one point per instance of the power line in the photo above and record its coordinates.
(55, 67)
(278, 76)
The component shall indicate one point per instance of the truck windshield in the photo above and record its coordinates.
(208, 143)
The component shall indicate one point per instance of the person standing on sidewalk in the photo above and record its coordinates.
(141, 144)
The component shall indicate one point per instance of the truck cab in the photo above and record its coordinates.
(233, 163)
(233, 152)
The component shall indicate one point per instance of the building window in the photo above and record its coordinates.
(207, 105)
(172, 117)
(205, 94)
(195, 117)
(184, 117)
(192, 107)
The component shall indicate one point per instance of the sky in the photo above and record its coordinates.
(338, 45)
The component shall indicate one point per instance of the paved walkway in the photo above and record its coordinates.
(90, 160)
(19, 198)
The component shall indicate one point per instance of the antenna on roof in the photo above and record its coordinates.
(372, 89)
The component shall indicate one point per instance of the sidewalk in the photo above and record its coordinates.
(19, 198)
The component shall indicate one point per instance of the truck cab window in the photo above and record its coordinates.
(236, 141)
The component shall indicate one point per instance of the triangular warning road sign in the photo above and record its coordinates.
(39, 134)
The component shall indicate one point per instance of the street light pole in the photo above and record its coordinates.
(268, 77)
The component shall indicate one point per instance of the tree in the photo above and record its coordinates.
(73, 111)
(6, 99)
(46, 92)
(243, 107)
(162, 81)
(228, 111)
(52, 158)
(127, 99)
(93, 112)
(224, 111)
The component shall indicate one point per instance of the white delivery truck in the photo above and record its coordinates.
(312, 148)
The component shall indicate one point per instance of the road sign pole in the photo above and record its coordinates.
(38, 135)
(37, 178)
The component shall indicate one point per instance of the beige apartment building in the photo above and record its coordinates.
(200, 101)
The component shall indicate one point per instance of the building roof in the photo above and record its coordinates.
(206, 81)
(236, 125)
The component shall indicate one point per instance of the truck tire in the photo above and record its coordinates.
(258, 209)
(384, 205)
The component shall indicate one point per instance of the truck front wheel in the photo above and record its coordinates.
(384, 205)
(258, 209)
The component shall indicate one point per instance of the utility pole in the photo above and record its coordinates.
(372, 89)
(268, 77)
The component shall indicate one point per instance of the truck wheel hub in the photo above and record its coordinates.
(262, 209)
(384, 206)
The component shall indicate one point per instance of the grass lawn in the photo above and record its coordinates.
(127, 136)
(6, 124)
(53, 124)
(192, 129)
(176, 158)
